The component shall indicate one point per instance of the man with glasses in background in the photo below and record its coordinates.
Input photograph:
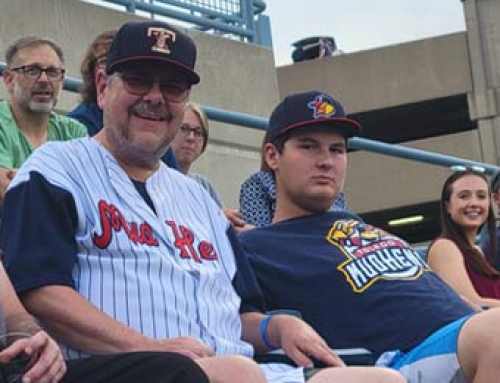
(33, 79)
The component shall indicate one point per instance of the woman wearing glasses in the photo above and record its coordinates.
(188, 145)
(465, 207)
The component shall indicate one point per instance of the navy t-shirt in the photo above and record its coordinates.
(357, 285)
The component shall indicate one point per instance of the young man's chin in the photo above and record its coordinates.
(319, 203)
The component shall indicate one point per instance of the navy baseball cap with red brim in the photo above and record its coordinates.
(313, 109)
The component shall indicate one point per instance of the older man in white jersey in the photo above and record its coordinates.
(115, 252)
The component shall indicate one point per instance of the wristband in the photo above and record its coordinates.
(263, 327)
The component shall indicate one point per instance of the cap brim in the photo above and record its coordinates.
(343, 125)
(192, 76)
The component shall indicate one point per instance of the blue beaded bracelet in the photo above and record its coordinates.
(264, 324)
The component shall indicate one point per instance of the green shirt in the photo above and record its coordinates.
(15, 148)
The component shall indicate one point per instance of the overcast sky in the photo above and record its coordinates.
(360, 24)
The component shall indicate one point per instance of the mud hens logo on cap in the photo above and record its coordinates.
(163, 37)
(321, 107)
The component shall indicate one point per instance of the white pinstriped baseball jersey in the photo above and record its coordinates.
(166, 274)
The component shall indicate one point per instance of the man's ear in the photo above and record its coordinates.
(271, 156)
(101, 83)
(8, 80)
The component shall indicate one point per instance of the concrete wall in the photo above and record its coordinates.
(483, 30)
(235, 76)
(376, 182)
(385, 77)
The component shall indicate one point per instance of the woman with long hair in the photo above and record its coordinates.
(465, 207)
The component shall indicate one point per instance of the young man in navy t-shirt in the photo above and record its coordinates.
(357, 285)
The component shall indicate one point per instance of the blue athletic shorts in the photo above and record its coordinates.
(433, 360)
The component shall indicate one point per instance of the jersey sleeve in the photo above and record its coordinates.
(245, 281)
(39, 221)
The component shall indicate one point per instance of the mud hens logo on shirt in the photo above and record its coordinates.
(321, 107)
(372, 255)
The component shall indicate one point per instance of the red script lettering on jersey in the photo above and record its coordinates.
(113, 220)
(184, 240)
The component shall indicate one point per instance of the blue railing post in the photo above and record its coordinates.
(246, 9)
(131, 6)
(263, 31)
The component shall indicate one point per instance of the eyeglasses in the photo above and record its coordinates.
(141, 84)
(34, 72)
(187, 129)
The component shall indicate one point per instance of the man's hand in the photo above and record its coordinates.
(236, 219)
(6, 176)
(300, 342)
(188, 346)
(47, 363)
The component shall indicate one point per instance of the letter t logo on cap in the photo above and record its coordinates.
(163, 37)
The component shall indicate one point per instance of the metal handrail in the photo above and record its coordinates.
(394, 150)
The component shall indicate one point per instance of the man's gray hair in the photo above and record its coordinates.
(29, 42)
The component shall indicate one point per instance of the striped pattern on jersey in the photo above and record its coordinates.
(150, 288)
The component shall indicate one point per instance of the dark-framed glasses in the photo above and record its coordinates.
(173, 90)
(186, 130)
(35, 71)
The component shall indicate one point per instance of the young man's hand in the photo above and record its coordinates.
(236, 219)
(300, 342)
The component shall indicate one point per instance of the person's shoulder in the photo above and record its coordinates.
(443, 248)
(259, 184)
(66, 127)
(259, 178)
(192, 191)
(442, 242)
(203, 181)
(58, 150)
(7, 122)
(54, 160)
(199, 178)
(254, 237)
(181, 181)
(90, 115)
